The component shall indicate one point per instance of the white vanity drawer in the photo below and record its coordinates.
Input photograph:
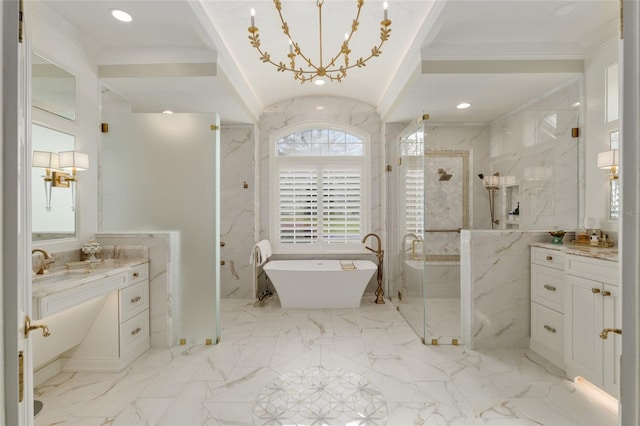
(133, 300)
(134, 334)
(601, 270)
(138, 273)
(547, 257)
(547, 287)
(547, 328)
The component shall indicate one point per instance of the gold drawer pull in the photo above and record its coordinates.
(549, 329)
(136, 274)
(549, 258)
(606, 293)
(595, 290)
(136, 299)
(549, 287)
(136, 331)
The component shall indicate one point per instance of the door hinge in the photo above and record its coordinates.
(104, 127)
(214, 127)
(621, 19)
(21, 22)
(20, 376)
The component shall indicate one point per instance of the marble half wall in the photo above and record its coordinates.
(163, 265)
(237, 209)
(495, 279)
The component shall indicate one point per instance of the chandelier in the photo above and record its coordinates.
(335, 69)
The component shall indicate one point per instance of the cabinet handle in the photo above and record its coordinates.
(595, 290)
(136, 331)
(549, 329)
(549, 258)
(136, 299)
(549, 287)
(136, 274)
(606, 293)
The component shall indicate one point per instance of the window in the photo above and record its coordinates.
(320, 187)
(412, 181)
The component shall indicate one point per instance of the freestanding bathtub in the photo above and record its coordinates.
(320, 283)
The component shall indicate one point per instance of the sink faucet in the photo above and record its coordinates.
(44, 265)
(380, 255)
(411, 235)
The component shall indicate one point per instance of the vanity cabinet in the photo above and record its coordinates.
(547, 304)
(120, 332)
(592, 303)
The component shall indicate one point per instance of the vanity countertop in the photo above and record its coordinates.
(66, 279)
(605, 253)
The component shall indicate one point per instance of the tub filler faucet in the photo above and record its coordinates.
(380, 255)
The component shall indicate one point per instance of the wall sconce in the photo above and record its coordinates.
(609, 160)
(73, 161)
(48, 161)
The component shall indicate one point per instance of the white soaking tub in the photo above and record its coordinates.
(320, 283)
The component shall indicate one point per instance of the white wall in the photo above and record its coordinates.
(596, 131)
(55, 39)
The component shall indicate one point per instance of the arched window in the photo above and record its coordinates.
(320, 183)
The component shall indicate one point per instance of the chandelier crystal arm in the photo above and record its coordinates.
(331, 71)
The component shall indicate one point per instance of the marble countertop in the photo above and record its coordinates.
(605, 253)
(64, 279)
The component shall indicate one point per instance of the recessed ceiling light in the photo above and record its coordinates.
(319, 107)
(167, 111)
(319, 82)
(463, 105)
(564, 10)
(121, 15)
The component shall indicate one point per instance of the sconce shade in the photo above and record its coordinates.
(609, 159)
(45, 160)
(74, 160)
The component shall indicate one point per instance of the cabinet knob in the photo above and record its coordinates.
(549, 258)
(549, 287)
(222, 244)
(606, 293)
(595, 290)
(136, 274)
(549, 329)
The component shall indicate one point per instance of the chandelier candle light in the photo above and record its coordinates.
(336, 68)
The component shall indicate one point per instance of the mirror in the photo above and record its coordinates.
(60, 220)
(53, 89)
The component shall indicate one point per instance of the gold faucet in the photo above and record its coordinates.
(44, 265)
(380, 255)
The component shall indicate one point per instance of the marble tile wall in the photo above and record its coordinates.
(495, 287)
(534, 145)
(335, 110)
(238, 209)
(163, 263)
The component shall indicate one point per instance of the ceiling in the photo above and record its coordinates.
(497, 55)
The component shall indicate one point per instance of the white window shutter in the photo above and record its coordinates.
(341, 206)
(298, 206)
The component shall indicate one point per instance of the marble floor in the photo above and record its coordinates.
(361, 366)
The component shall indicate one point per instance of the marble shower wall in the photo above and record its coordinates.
(495, 287)
(335, 110)
(163, 264)
(534, 145)
(237, 209)
(474, 139)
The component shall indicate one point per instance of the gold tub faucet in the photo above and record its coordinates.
(44, 265)
(380, 255)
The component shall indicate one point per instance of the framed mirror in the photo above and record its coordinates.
(51, 205)
(53, 88)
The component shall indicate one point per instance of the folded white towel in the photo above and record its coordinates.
(262, 252)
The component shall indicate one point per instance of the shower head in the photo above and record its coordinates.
(444, 176)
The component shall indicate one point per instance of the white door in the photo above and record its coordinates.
(16, 236)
